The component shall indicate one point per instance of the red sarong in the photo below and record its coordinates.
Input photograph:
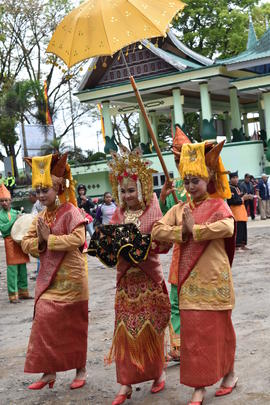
(58, 340)
(207, 347)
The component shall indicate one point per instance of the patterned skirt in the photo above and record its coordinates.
(207, 347)
(142, 313)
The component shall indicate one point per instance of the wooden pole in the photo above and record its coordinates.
(151, 133)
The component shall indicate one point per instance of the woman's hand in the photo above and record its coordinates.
(43, 231)
(188, 221)
(166, 190)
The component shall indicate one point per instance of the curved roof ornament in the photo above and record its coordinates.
(194, 55)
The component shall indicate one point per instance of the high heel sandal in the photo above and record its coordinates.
(221, 391)
(157, 387)
(120, 398)
(77, 384)
(41, 384)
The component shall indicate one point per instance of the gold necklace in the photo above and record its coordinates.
(133, 217)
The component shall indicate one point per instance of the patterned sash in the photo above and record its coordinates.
(67, 219)
(209, 211)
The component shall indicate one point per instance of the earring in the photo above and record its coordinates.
(57, 201)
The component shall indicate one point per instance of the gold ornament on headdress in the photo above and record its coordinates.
(129, 164)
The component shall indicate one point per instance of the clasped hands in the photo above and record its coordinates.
(43, 231)
(188, 221)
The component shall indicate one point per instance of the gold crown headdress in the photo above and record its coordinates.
(129, 164)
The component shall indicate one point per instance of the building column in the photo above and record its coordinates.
(266, 100)
(109, 137)
(237, 130)
(154, 122)
(178, 108)
(262, 120)
(208, 130)
(245, 122)
(227, 120)
(144, 138)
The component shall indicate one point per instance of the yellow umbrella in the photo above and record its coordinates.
(102, 27)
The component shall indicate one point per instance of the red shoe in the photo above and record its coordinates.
(196, 403)
(158, 387)
(77, 384)
(221, 391)
(120, 398)
(41, 384)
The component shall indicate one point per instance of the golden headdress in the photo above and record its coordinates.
(53, 171)
(4, 193)
(203, 160)
(129, 164)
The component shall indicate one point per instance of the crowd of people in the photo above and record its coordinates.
(131, 228)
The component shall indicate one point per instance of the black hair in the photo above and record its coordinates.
(106, 193)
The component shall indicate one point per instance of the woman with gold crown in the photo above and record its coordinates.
(58, 339)
(142, 306)
(204, 228)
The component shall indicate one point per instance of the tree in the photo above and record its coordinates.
(26, 28)
(216, 28)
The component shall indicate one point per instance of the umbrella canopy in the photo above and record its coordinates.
(102, 27)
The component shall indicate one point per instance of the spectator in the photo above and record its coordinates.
(85, 204)
(10, 183)
(83, 201)
(236, 203)
(105, 210)
(37, 206)
(247, 189)
(264, 197)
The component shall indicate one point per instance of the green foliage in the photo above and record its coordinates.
(217, 28)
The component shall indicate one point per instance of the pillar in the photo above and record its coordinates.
(208, 130)
(245, 121)
(144, 138)
(266, 99)
(227, 120)
(154, 122)
(178, 108)
(237, 130)
(109, 137)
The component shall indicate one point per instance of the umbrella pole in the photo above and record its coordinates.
(151, 133)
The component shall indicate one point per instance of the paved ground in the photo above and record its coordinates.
(251, 271)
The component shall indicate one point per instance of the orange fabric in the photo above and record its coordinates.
(4, 193)
(207, 347)
(14, 253)
(173, 274)
(239, 212)
(58, 340)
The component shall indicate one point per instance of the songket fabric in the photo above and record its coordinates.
(205, 288)
(16, 259)
(58, 339)
(174, 328)
(142, 311)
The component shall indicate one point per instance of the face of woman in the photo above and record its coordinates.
(129, 193)
(46, 196)
(195, 186)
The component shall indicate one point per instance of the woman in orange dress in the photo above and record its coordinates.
(204, 227)
(58, 339)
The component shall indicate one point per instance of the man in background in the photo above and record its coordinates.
(247, 189)
(264, 197)
(15, 258)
